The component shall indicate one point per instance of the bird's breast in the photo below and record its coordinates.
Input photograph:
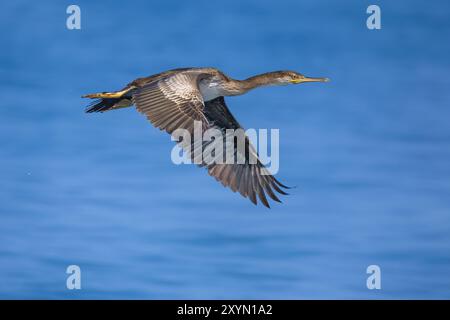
(210, 90)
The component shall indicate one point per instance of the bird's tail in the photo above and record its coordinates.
(102, 105)
(106, 101)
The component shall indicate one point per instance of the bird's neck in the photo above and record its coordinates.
(259, 80)
(236, 87)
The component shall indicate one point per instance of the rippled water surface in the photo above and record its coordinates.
(369, 153)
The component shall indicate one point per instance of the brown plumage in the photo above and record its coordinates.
(175, 99)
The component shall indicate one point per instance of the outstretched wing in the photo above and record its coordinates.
(175, 102)
(250, 178)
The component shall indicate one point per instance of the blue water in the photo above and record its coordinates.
(368, 151)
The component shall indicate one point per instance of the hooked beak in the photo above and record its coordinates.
(307, 79)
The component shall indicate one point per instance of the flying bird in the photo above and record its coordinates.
(175, 99)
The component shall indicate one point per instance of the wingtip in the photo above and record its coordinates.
(282, 185)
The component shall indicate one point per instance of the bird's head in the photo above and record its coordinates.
(288, 77)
